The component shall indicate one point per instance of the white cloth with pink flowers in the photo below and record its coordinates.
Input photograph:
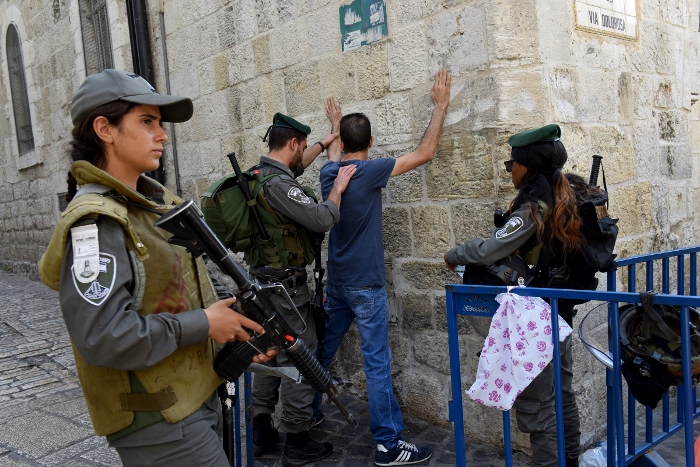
(519, 346)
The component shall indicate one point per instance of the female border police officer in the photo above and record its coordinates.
(542, 215)
(141, 313)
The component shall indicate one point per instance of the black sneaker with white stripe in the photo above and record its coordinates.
(403, 454)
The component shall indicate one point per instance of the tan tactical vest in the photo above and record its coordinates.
(169, 279)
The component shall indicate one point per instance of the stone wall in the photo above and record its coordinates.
(515, 65)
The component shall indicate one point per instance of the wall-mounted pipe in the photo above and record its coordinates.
(176, 168)
(141, 56)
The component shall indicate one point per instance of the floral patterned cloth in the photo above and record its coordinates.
(519, 346)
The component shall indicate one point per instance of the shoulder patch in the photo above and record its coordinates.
(297, 194)
(97, 291)
(512, 225)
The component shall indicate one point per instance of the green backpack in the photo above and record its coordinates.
(226, 211)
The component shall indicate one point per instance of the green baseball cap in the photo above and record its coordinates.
(111, 85)
(551, 132)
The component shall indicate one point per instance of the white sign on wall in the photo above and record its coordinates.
(617, 18)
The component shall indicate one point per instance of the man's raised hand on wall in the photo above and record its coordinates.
(334, 114)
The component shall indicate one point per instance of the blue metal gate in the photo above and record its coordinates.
(480, 301)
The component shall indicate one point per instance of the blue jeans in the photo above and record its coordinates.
(370, 307)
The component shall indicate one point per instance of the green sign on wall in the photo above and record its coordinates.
(362, 22)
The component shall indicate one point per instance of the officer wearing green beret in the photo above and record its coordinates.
(298, 217)
(542, 216)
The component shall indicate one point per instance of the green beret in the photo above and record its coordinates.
(282, 121)
(550, 132)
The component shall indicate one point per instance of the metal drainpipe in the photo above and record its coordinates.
(176, 168)
(141, 56)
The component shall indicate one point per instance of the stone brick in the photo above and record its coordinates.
(673, 126)
(273, 95)
(301, 85)
(397, 232)
(415, 385)
(655, 53)
(221, 77)
(431, 231)
(647, 150)
(400, 346)
(417, 311)
(456, 41)
(236, 23)
(408, 58)
(261, 51)
(425, 275)
(521, 98)
(267, 15)
(626, 95)
(675, 161)
(694, 136)
(643, 96)
(616, 149)
(472, 220)
(210, 116)
(439, 357)
(338, 78)
(564, 83)
(678, 201)
(245, 105)
(392, 122)
(665, 93)
(408, 11)
(372, 64)
(599, 95)
(632, 205)
(241, 63)
(512, 33)
(207, 77)
(211, 158)
(288, 45)
(324, 33)
(462, 168)
(306, 6)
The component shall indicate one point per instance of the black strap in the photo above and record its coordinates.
(647, 300)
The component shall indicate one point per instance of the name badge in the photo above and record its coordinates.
(86, 253)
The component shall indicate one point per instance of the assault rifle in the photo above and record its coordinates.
(189, 230)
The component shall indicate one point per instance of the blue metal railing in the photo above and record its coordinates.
(480, 301)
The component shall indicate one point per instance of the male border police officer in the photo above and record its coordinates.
(300, 216)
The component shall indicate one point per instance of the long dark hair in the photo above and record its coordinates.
(544, 181)
(86, 145)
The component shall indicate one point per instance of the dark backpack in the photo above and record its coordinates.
(599, 230)
(228, 214)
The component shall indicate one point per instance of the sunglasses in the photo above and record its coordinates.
(509, 165)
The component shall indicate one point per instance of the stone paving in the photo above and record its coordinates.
(44, 420)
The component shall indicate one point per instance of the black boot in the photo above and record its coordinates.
(265, 436)
(300, 449)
